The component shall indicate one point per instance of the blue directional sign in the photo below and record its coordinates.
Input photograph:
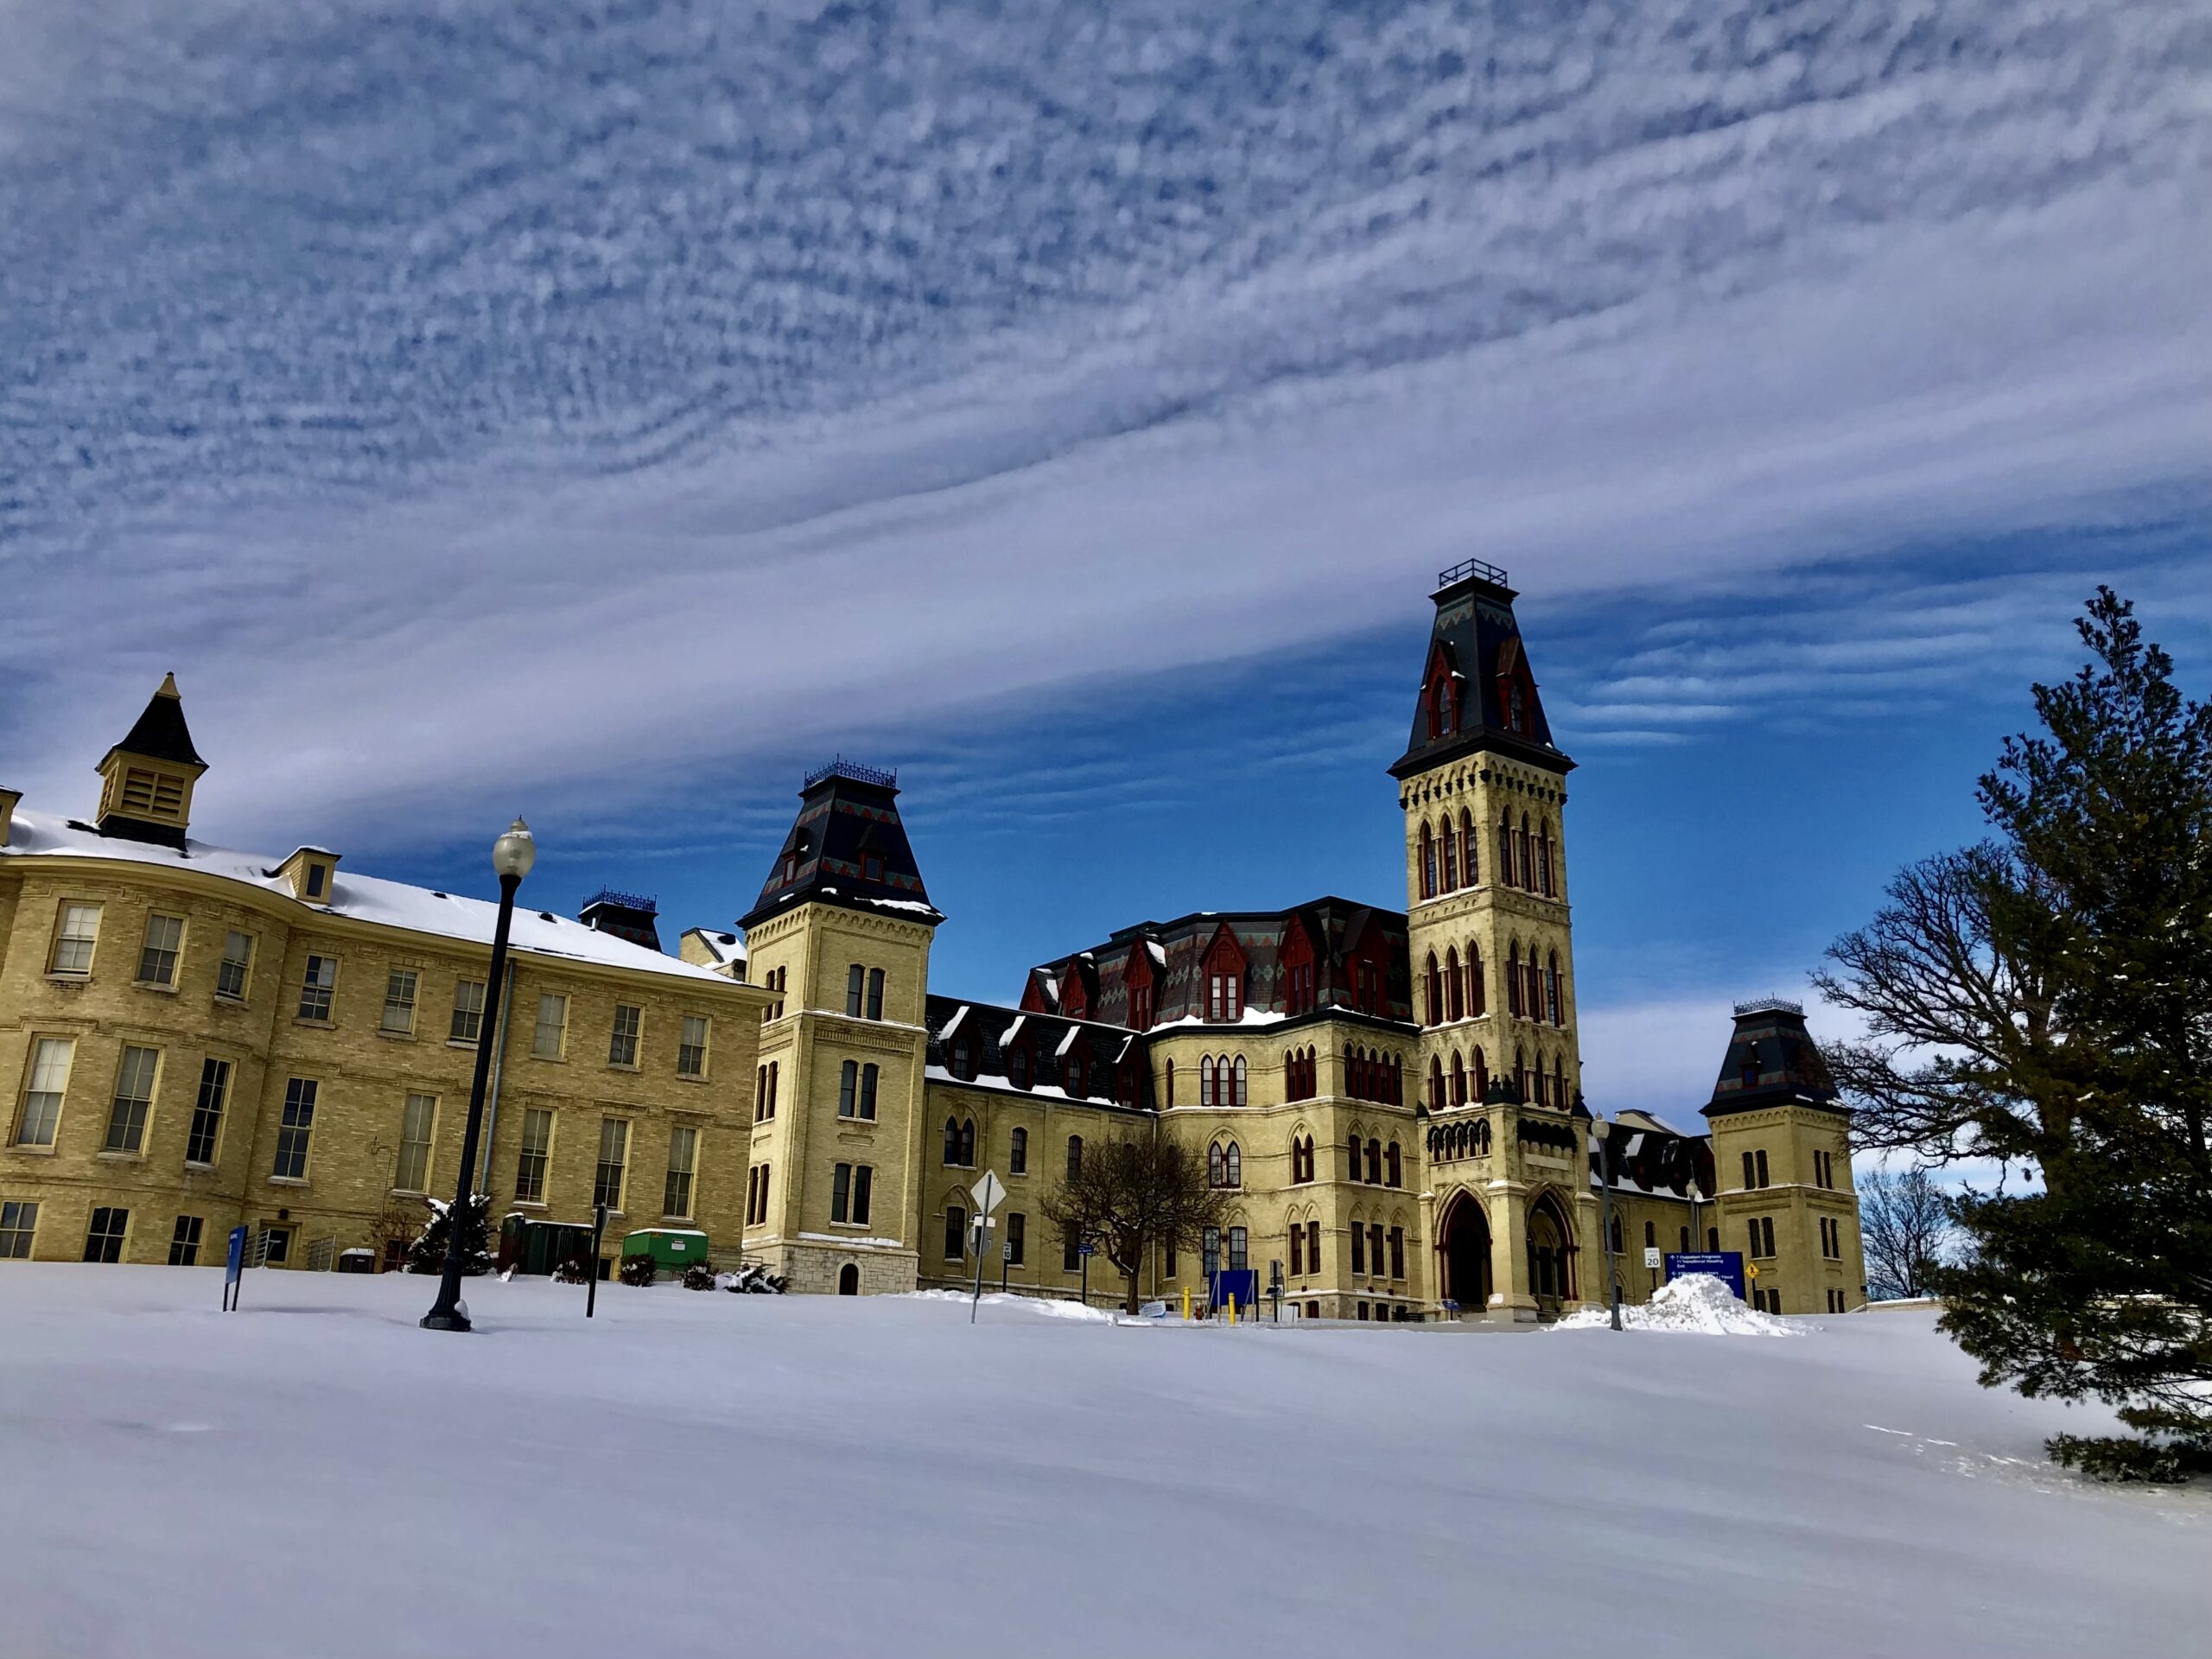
(234, 1266)
(1727, 1265)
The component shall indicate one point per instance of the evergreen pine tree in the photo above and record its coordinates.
(427, 1253)
(2046, 999)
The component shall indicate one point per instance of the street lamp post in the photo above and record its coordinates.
(1605, 1221)
(511, 856)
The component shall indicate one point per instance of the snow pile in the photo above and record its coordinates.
(1051, 1306)
(1697, 1303)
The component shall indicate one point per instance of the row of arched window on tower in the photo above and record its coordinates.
(1450, 858)
(960, 1149)
(1543, 1083)
(1534, 987)
(1365, 1159)
(1470, 1139)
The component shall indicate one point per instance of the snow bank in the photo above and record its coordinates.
(1051, 1307)
(1697, 1303)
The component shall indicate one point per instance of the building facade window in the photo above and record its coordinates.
(1397, 1252)
(76, 937)
(683, 1164)
(157, 956)
(1018, 1152)
(103, 1238)
(318, 987)
(418, 1120)
(1075, 1156)
(235, 970)
(1017, 1237)
(296, 1130)
(18, 1225)
(1762, 1232)
(855, 980)
(614, 1160)
(206, 1128)
(1017, 1067)
(955, 1233)
(1238, 1249)
(133, 1099)
(467, 1011)
(398, 1016)
(1358, 1248)
(537, 1148)
(870, 1074)
(622, 1044)
(874, 994)
(548, 1039)
(184, 1242)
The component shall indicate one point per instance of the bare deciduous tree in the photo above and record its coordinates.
(1904, 1222)
(1137, 1195)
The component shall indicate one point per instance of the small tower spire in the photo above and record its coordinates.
(1477, 691)
(147, 779)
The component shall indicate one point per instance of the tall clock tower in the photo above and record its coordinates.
(1483, 789)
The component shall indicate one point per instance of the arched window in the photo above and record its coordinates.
(1481, 1076)
(1075, 1156)
(1521, 850)
(1205, 1081)
(1651, 1232)
(1435, 1084)
(1427, 862)
(1213, 1165)
(1435, 983)
(1535, 994)
(1513, 1003)
(1477, 995)
(1455, 1005)
(1076, 1079)
(1169, 1083)
(952, 1142)
(1544, 857)
(1232, 1162)
(1240, 1099)
(1551, 989)
(1559, 1087)
(1505, 850)
(1521, 1073)
(1017, 1067)
(1375, 1163)
(1351, 1147)
(1450, 849)
(1516, 715)
(848, 1084)
(855, 978)
(1397, 1081)
(1751, 1069)
(1471, 871)
(875, 993)
(963, 1056)
(1392, 1169)
(1017, 1158)
(1616, 1234)
(968, 1143)
(1458, 1079)
(1297, 1248)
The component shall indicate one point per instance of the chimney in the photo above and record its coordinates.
(9, 798)
(625, 915)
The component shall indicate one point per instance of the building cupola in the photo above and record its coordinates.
(847, 848)
(1477, 692)
(625, 915)
(147, 779)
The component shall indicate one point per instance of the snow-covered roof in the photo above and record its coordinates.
(354, 897)
(724, 947)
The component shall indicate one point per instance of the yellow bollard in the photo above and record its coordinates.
(1232, 1310)
(1186, 1304)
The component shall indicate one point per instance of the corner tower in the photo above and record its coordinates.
(840, 938)
(1482, 786)
(1781, 1158)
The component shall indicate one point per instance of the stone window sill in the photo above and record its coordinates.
(392, 1036)
(117, 1155)
(288, 1180)
(632, 1066)
(314, 1024)
(30, 1151)
(153, 985)
(69, 981)
(469, 1042)
(693, 1077)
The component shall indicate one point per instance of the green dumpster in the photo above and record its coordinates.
(672, 1248)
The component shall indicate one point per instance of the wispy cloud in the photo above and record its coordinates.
(594, 407)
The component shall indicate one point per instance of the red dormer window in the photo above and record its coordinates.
(871, 867)
(1442, 697)
(1297, 990)
(1075, 1000)
(1136, 977)
(1017, 1067)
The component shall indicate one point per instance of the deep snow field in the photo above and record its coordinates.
(700, 1473)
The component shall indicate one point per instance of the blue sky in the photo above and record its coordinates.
(605, 411)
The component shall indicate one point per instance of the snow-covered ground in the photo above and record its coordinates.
(696, 1474)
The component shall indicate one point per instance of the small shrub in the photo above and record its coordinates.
(753, 1280)
(639, 1270)
(573, 1272)
(700, 1275)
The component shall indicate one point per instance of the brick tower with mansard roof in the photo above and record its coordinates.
(1483, 785)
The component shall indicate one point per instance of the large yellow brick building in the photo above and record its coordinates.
(197, 1038)
(1392, 1099)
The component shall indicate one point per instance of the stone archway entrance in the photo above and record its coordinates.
(1463, 1243)
(849, 1280)
(1551, 1278)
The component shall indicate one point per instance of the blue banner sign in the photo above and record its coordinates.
(233, 1265)
(1243, 1283)
(1727, 1265)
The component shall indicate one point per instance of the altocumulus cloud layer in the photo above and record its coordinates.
(668, 378)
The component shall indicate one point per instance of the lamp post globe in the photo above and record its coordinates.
(513, 854)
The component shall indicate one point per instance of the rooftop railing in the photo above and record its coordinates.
(841, 767)
(1467, 568)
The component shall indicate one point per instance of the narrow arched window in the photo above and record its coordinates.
(1481, 1076)
(1521, 1074)
(1651, 1232)
(1559, 1087)
(1516, 715)
(875, 993)
(1017, 1068)
(1075, 1072)
(1214, 1165)
(1427, 862)
(1393, 1168)
(1481, 1136)
(1526, 862)
(1375, 1163)
(1513, 1004)
(1435, 1084)
(1505, 850)
(1168, 1082)
(1232, 1164)
(963, 1056)
(855, 980)
(1205, 1081)
(1467, 842)
(1477, 995)
(848, 1078)
(1458, 1079)
(1397, 1081)
(1551, 990)
(1352, 1149)
(1435, 983)
(1241, 1099)
(1455, 998)
(1450, 859)
(1075, 1156)
(952, 1141)
(1017, 1157)
(1544, 857)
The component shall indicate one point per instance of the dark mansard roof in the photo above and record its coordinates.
(160, 733)
(970, 1041)
(1772, 1061)
(847, 819)
(1475, 645)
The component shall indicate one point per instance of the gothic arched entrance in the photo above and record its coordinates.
(1463, 1242)
(1551, 1268)
(849, 1280)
